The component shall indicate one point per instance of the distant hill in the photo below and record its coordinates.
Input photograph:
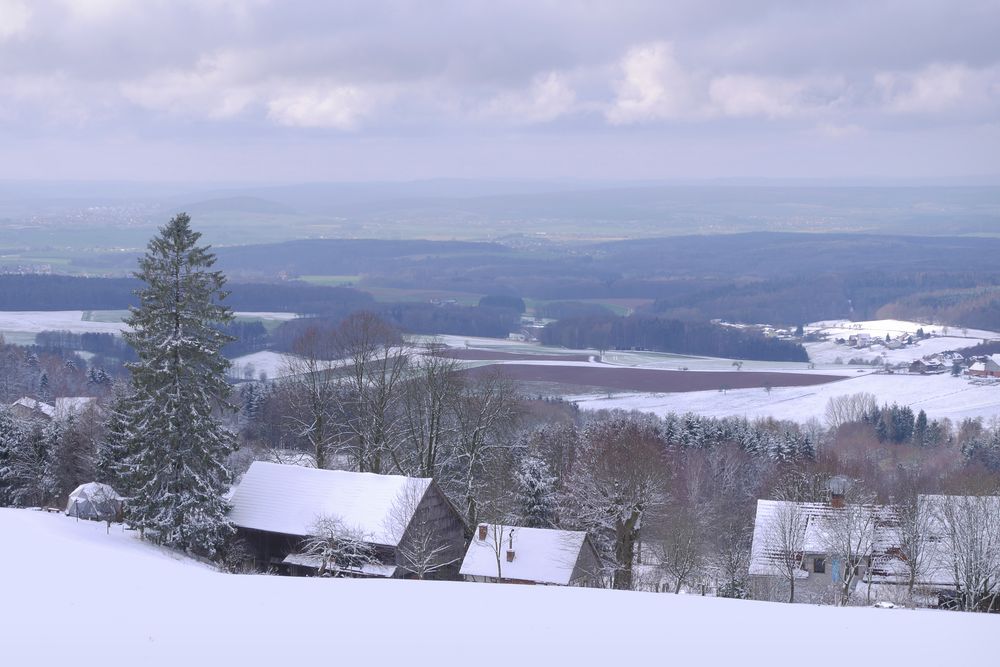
(238, 204)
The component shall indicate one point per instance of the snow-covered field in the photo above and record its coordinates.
(34, 321)
(274, 364)
(939, 395)
(73, 595)
(19, 324)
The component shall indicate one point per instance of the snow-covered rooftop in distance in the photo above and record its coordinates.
(67, 406)
(289, 499)
(541, 555)
(39, 406)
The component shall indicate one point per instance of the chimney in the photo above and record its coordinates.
(482, 531)
(510, 555)
(838, 486)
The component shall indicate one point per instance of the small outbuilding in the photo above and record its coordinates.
(94, 501)
(513, 554)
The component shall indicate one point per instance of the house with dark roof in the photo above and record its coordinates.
(409, 525)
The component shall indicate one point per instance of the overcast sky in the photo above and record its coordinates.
(292, 91)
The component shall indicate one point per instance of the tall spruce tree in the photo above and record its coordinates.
(175, 470)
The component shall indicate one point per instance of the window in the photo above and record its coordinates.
(819, 565)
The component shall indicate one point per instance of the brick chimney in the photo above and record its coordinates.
(482, 531)
(837, 500)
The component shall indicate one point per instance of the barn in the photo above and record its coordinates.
(407, 522)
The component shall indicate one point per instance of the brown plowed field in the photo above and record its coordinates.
(650, 380)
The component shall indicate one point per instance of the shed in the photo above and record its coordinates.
(514, 554)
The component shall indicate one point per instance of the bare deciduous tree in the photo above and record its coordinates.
(484, 414)
(913, 533)
(336, 548)
(849, 537)
(370, 415)
(849, 408)
(784, 540)
(967, 529)
(310, 388)
(430, 396)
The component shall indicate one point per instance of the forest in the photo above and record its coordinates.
(645, 332)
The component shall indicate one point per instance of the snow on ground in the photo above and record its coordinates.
(274, 364)
(894, 328)
(73, 595)
(939, 395)
(34, 321)
(262, 315)
(828, 351)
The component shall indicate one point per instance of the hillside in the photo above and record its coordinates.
(75, 595)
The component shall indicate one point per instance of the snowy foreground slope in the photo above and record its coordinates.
(73, 595)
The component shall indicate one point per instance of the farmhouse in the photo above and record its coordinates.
(926, 367)
(513, 554)
(809, 535)
(64, 408)
(988, 367)
(29, 408)
(402, 519)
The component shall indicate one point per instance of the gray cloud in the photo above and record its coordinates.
(411, 89)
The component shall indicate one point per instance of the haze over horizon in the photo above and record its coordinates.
(258, 91)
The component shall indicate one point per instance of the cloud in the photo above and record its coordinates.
(548, 97)
(770, 97)
(14, 17)
(939, 88)
(338, 107)
(740, 74)
(653, 86)
(211, 88)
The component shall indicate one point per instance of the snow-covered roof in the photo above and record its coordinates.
(94, 490)
(38, 406)
(541, 555)
(289, 499)
(67, 406)
(368, 569)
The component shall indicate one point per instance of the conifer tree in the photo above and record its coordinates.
(117, 445)
(537, 497)
(175, 470)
